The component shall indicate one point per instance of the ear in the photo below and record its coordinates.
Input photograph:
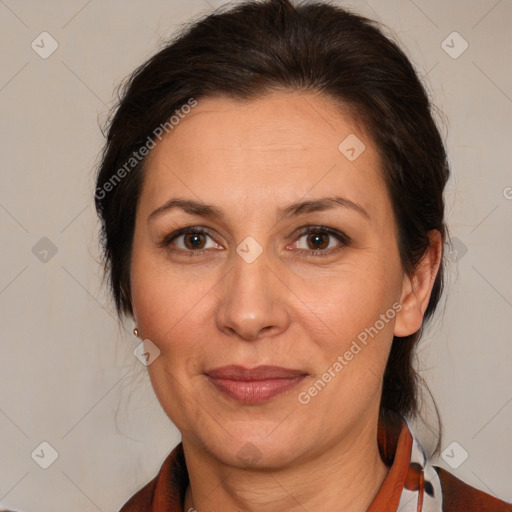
(417, 288)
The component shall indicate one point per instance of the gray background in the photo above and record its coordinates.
(68, 375)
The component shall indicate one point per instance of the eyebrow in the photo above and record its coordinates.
(292, 210)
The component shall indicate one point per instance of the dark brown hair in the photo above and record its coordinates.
(260, 46)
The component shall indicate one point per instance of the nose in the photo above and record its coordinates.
(253, 303)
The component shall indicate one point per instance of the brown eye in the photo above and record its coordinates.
(318, 240)
(194, 241)
(189, 240)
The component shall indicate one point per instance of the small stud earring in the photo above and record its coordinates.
(136, 332)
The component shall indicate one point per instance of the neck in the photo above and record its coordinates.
(346, 476)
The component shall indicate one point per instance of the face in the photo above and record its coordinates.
(282, 251)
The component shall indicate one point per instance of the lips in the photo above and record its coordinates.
(254, 385)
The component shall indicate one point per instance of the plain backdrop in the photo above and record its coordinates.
(68, 376)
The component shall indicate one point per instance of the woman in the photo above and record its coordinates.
(271, 197)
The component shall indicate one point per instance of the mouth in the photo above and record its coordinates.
(254, 385)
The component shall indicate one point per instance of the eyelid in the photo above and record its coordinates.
(166, 241)
(344, 239)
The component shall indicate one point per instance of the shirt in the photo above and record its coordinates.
(411, 485)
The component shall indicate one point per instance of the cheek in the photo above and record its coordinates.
(170, 311)
(353, 332)
(347, 302)
(168, 304)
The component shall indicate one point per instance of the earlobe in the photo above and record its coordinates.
(417, 288)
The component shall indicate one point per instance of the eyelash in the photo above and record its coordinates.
(344, 240)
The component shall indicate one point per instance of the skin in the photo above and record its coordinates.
(287, 308)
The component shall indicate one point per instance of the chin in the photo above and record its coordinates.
(256, 449)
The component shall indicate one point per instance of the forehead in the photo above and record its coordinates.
(282, 145)
(295, 121)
